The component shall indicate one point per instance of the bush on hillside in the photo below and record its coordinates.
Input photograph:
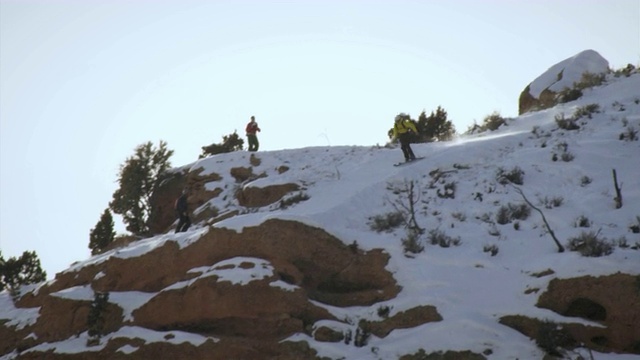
(635, 228)
(490, 123)
(566, 123)
(511, 212)
(630, 134)
(587, 110)
(590, 244)
(230, 143)
(437, 237)
(562, 148)
(552, 202)
(568, 95)
(625, 71)
(491, 249)
(582, 221)
(514, 176)
(411, 243)
(589, 80)
(386, 222)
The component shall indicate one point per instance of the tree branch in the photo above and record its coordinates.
(560, 247)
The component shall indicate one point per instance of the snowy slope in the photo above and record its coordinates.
(470, 288)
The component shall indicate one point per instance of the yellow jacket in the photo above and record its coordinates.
(401, 127)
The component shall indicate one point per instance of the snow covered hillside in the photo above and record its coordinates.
(484, 266)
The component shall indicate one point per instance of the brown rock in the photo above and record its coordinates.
(259, 197)
(407, 319)
(613, 301)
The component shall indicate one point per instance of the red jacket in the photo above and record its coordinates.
(252, 127)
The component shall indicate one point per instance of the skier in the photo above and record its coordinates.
(182, 212)
(251, 129)
(402, 131)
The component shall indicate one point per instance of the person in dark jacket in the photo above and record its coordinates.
(182, 210)
(252, 128)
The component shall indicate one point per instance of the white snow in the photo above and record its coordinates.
(18, 317)
(470, 288)
(238, 271)
(78, 344)
(565, 73)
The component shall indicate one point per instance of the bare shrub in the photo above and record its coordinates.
(568, 95)
(503, 216)
(493, 122)
(459, 216)
(625, 71)
(387, 222)
(589, 80)
(552, 202)
(562, 148)
(449, 191)
(437, 237)
(411, 243)
(587, 110)
(407, 196)
(514, 176)
(635, 228)
(566, 123)
(512, 212)
(589, 244)
(585, 180)
(492, 249)
(630, 134)
(582, 221)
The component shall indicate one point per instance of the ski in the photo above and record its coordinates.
(409, 162)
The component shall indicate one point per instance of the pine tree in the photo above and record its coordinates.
(436, 127)
(24, 270)
(230, 143)
(96, 318)
(138, 179)
(103, 234)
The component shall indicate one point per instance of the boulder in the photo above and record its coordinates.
(541, 93)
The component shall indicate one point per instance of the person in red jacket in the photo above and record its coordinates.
(252, 128)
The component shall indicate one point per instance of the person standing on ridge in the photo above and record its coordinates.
(402, 131)
(252, 128)
(183, 212)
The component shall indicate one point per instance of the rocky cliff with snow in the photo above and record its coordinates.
(295, 254)
(542, 93)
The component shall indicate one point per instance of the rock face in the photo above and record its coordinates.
(541, 93)
(612, 301)
(275, 277)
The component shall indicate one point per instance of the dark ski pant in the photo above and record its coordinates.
(184, 223)
(253, 142)
(405, 140)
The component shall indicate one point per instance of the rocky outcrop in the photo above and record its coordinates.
(542, 92)
(189, 294)
(163, 213)
(253, 197)
(407, 319)
(612, 301)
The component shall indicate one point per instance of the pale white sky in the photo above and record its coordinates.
(83, 82)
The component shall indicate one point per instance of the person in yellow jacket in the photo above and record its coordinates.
(402, 130)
